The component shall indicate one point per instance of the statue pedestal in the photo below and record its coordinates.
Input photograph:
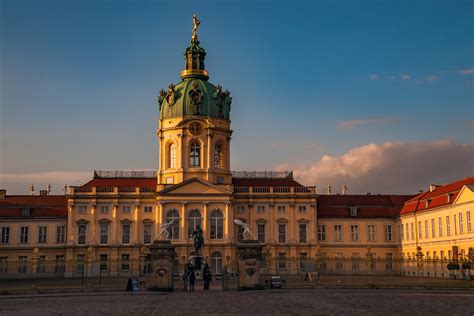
(198, 261)
(162, 255)
(250, 256)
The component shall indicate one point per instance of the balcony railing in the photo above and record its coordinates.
(111, 190)
(275, 190)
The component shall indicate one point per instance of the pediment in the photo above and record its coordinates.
(195, 186)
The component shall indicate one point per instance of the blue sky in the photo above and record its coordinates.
(79, 81)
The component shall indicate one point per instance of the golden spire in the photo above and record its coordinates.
(196, 23)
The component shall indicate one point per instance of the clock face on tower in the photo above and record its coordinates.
(195, 128)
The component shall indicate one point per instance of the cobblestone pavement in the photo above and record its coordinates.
(276, 302)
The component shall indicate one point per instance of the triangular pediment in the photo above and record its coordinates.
(465, 195)
(195, 186)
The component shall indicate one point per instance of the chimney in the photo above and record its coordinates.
(43, 192)
(3, 194)
(434, 187)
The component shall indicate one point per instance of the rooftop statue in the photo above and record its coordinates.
(164, 233)
(196, 23)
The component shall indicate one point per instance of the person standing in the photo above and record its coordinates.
(207, 276)
(192, 281)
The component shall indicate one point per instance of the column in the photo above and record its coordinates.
(183, 220)
(271, 223)
(158, 217)
(70, 224)
(227, 219)
(115, 226)
(137, 223)
(209, 156)
(204, 220)
(93, 234)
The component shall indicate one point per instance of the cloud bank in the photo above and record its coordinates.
(361, 122)
(391, 167)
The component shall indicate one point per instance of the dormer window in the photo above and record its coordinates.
(353, 210)
(427, 203)
(26, 211)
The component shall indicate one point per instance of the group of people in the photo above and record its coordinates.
(191, 277)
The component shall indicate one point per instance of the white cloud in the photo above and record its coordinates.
(405, 77)
(465, 72)
(374, 77)
(19, 183)
(361, 122)
(391, 167)
(431, 78)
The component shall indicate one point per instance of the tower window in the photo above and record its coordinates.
(172, 156)
(218, 157)
(195, 155)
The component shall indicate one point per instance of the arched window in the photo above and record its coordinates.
(218, 157)
(172, 156)
(173, 229)
(217, 225)
(194, 219)
(195, 155)
(216, 263)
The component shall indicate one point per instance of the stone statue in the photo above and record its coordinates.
(164, 233)
(196, 23)
(198, 237)
(246, 228)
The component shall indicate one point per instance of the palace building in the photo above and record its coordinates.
(105, 226)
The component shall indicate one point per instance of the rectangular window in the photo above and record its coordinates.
(302, 233)
(354, 232)
(148, 209)
(261, 232)
(388, 262)
(5, 237)
(82, 208)
(104, 233)
(388, 233)
(81, 234)
(125, 262)
(22, 264)
(370, 232)
(412, 232)
(420, 231)
(407, 232)
(24, 234)
(126, 209)
(260, 208)
(469, 221)
(337, 232)
(355, 261)
(241, 208)
(281, 208)
(60, 234)
(282, 261)
(321, 232)
(426, 229)
(25, 211)
(59, 264)
(42, 234)
(125, 234)
(282, 233)
(339, 262)
(441, 255)
(41, 264)
(433, 228)
(80, 263)
(302, 208)
(103, 265)
(440, 227)
(3, 265)
(401, 232)
(448, 226)
(104, 209)
(461, 225)
(147, 233)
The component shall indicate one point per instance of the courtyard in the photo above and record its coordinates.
(283, 302)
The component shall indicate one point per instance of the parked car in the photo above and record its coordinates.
(275, 282)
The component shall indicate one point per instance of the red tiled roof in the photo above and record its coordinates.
(40, 205)
(437, 198)
(265, 182)
(368, 206)
(122, 182)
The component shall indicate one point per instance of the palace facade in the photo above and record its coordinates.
(105, 226)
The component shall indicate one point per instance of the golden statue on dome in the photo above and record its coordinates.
(196, 23)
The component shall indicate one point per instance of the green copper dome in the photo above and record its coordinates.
(194, 95)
